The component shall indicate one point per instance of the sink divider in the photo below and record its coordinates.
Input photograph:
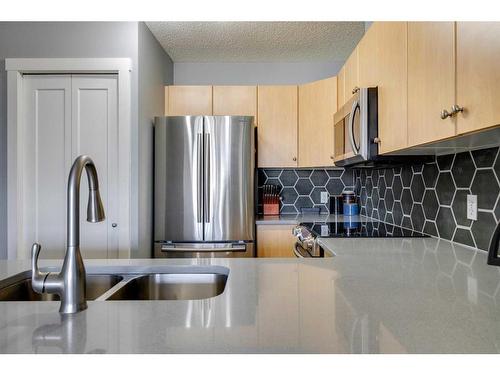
(121, 284)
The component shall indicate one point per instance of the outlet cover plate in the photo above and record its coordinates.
(471, 207)
(324, 197)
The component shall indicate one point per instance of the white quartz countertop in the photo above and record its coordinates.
(396, 295)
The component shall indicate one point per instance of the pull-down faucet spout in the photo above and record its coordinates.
(70, 284)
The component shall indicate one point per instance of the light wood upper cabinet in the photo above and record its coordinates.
(277, 130)
(391, 67)
(341, 87)
(188, 100)
(431, 81)
(317, 105)
(348, 78)
(275, 241)
(235, 100)
(351, 75)
(478, 75)
(420, 69)
(368, 58)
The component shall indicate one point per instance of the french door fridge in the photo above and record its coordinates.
(204, 186)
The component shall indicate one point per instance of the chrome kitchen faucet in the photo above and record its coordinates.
(70, 283)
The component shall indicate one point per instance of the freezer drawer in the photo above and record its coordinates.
(203, 250)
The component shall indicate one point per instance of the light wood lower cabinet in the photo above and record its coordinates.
(277, 129)
(317, 105)
(478, 75)
(431, 81)
(188, 100)
(235, 100)
(275, 241)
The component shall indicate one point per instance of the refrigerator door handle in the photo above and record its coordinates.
(207, 179)
(199, 177)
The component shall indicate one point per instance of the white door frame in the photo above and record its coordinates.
(15, 129)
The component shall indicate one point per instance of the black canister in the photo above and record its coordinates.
(348, 196)
(336, 206)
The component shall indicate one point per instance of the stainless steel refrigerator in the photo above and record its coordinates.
(204, 186)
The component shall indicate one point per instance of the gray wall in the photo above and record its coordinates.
(253, 73)
(3, 157)
(156, 69)
(64, 39)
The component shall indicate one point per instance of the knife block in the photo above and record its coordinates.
(271, 199)
(271, 209)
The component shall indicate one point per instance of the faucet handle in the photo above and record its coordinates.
(493, 258)
(37, 277)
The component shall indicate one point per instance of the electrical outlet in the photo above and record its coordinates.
(471, 207)
(325, 230)
(324, 197)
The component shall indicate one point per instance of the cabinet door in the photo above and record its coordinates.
(431, 81)
(391, 67)
(478, 75)
(317, 105)
(188, 100)
(235, 100)
(368, 58)
(275, 241)
(277, 130)
(351, 75)
(341, 87)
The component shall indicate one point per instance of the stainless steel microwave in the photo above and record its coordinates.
(356, 129)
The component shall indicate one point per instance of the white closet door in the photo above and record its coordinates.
(46, 159)
(66, 116)
(95, 133)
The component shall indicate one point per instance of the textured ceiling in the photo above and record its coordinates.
(257, 41)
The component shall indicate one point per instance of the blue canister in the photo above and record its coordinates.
(350, 206)
(351, 209)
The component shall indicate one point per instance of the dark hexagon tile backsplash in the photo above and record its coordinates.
(432, 198)
(301, 188)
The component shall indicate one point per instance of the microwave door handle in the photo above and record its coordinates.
(351, 127)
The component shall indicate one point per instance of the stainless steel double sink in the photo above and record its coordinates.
(130, 285)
